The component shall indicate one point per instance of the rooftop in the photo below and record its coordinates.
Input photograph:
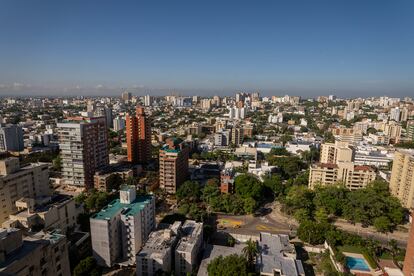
(116, 206)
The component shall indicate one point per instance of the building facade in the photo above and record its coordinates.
(120, 229)
(402, 177)
(11, 138)
(45, 253)
(138, 136)
(157, 255)
(188, 248)
(173, 165)
(84, 149)
(17, 182)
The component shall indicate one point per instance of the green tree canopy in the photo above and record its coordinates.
(228, 266)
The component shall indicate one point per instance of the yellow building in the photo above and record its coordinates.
(402, 177)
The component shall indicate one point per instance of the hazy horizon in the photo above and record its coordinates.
(307, 48)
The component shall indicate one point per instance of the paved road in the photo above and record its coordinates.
(278, 223)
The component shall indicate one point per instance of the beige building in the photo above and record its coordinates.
(348, 135)
(40, 254)
(336, 152)
(57, 212)
(31, 181)
(402, 177)
(351, 176)
(337, 166)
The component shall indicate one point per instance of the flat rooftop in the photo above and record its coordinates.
(115, 206)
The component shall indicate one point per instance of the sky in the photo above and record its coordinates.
(349, 48)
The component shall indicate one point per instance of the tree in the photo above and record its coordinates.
(228, 266)
(382, 224)
(313, 232)
(394, 249)
(87, 267)
(248, 186)
(114, 181)
(250, 251)
(57, 163)
(321, 215)
(188, 191)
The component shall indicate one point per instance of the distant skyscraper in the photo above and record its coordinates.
(105, 112)
(395, 114)
(147, 100)
(126, 96)
(138, 136)
(11, 138)
(173, 165)
(119, 124)
(84, 149)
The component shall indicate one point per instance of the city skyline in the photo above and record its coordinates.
(346, 48)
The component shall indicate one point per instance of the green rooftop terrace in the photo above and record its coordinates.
(116, 206)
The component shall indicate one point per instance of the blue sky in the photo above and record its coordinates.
(349, 47)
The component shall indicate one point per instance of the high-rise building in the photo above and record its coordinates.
(237, 136)
(126, 96)
(410, 130)
(335, 152)
(402, 177)
(138, 136)
(11, 138)
(84, 149)
(408, 268)
(147, 100)
(17, 182)
(45, 253)
(120, 229)
(106, 112)
(188, 248)
(395, 114)
(173, 164)
(119, 124)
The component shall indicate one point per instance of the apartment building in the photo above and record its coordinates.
(84, 149)
(337, 166)
(56, 212)
(31, 181)
(402, 177)
(336, 152)
(227, 181)
(157, 255)
(45, 253)
(188, 248)
(348, 135)
(173, 164)
(138, 136)
(120, 229)
(11, 138)
(410, 130)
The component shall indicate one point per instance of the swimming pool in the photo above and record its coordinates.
(357, 263)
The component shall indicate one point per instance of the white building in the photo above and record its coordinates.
(188, 248)
(120, 229)
(157, 254)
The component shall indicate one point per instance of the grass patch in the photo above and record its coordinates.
(351, 249)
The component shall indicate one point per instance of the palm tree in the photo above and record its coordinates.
(394, 249)
(250, 251)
